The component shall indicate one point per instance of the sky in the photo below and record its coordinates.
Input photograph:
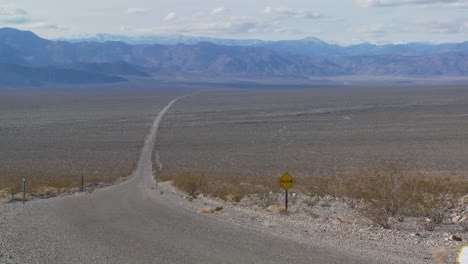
(342, 22)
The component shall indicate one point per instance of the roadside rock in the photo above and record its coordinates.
(454, 238)
(277, 209)
(206, 210)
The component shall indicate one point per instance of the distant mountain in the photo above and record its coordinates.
(311, 47)
(17, 75)
(202, 58)
(440, 64)
(208, 58)
(9, 55)
(302, 58)
(110, 68)
(165, 40)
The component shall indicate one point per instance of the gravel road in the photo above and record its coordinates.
(134, 222)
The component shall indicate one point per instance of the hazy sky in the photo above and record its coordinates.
(336, 21)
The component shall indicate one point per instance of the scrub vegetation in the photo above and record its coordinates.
(384, 191)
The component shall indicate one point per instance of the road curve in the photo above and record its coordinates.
(134, 223)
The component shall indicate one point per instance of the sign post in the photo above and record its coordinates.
(82, 183)
(24, 190)
(286, 181)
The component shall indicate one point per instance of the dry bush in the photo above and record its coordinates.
(440, 255)
(312, 201)
(325, 183)
(47, 181)
(46, 190)
(5, 194)
(464, 225)
(266, 199)
(382, 191)
(391, 189)
(226, 187)
(189, 183)
(231, 189)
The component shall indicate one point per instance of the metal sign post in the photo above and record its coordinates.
(24, 190)
(82, 183)
(286, 181)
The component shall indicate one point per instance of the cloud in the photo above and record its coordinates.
(21, 19)
(219, 10)
(386, 33)
(14, 16)
(137, 10)
(443, 26)
(170, 16)
(207, 24)
(12, 11)
(43, 25)
(291, 13)
(374, 30)
(390, 3)
(221, 21)
(456, 5)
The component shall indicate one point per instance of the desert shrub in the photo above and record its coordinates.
(227, 187)
(328, 185)
(387, 187)
(383, 191)
(227, 191)
(189, 183)
(391, 189)
(434, 207)
(266, 199)
(440, 255)
(464, 225)
(312, 201)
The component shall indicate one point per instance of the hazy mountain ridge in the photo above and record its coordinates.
(18, 75)
(164, 40)
(312, 47)
(280, 58)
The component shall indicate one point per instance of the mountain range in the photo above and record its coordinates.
(25, 58)
(311, 46)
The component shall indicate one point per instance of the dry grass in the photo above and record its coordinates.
(266, 199)
(5, 194)
(231, 189)
(391, 189)
(52, 184)
(312, 201)
(440, 255)
(387, 190)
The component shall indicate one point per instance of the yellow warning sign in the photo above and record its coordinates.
(286, 181)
